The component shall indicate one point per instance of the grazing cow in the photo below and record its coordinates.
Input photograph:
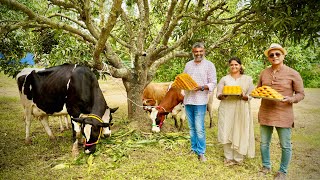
(76, 87)
(173, 102)
(172, 98)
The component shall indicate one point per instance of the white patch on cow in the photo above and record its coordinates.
(76, 127)
(87, 151)
(153, 116)
(106, 119)
(68, 84)
(106, 116)
(87, 131)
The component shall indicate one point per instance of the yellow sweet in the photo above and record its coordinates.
(232, 90)
(266, 91)
(184, 81)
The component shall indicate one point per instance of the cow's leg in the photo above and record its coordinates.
(28, 117)
(61, 124)
(76, 134)
(44, 122)
(174, 113)
(210, 109)
(75, 149)
(183, 117)
(174, 116)
(211, 118)
(66, 121)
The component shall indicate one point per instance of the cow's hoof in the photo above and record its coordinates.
(156, 129)
(52, 138)
(28, 141)
(75, 153)
(75, 150)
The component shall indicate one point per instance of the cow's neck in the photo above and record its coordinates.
(99, 107)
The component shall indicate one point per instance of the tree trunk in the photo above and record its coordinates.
(134, 94)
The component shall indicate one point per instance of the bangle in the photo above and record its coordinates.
(202, 88)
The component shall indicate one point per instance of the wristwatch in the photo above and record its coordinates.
(202, 88)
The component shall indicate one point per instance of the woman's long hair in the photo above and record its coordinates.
(238, 61)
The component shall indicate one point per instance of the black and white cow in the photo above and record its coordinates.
(31, 109)
(76, 87)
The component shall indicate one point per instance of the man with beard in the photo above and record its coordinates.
(203, 72)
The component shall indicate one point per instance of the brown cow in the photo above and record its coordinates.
(173, 103)
(154, 93)
(172, 98)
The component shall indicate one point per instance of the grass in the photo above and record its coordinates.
(133, 154)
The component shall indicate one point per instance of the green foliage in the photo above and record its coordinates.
(11, 67)
(66, 49)
(294, 20)
(168, 71)
(306, 62)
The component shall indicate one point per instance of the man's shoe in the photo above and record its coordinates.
(280, 176)
(264, 171)
(202, 158)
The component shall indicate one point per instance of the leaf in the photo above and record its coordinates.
(90, 160)
(61, 166)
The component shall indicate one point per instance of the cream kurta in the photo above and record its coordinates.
(235, 121)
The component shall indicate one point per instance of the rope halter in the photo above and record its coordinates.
(98, 119)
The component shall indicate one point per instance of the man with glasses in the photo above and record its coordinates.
(278, 114)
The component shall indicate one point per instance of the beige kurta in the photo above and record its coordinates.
(287, 82)
(235, 121)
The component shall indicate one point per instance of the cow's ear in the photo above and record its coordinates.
(112, 110)
(79, 120)
(105, 124)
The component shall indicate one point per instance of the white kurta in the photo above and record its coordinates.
(235, 121)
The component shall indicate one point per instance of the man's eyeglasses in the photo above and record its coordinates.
(272, 55)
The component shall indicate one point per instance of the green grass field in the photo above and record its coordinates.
(134, 154)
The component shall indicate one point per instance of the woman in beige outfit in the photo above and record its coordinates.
(235, 122)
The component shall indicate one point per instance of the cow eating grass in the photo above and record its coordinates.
(77, 88)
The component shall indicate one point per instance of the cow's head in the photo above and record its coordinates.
(107, 118)
(93, 128)
(157, 116)
(148, 104)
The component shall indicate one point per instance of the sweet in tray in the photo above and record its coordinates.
(231, 90)
(184, 81)
(266, 92)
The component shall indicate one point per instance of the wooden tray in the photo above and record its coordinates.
(273, 99)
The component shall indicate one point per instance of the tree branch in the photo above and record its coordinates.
(65, 5)
(44, 20)
(166, 58)
(105, 32)
(69, 18)
(157, 40)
